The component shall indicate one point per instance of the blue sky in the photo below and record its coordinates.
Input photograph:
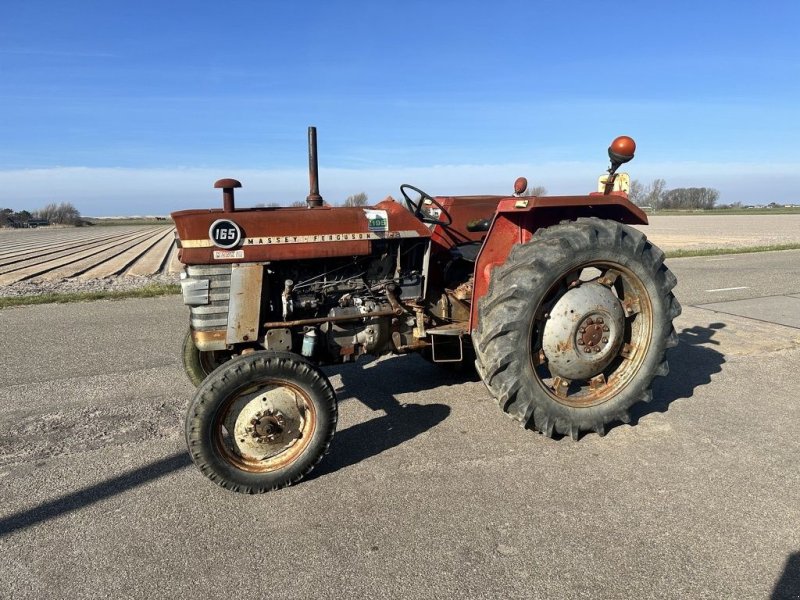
(137, 107)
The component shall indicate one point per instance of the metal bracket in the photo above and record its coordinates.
(447, 360)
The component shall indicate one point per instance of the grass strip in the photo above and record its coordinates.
(718, 251)
(149, 291)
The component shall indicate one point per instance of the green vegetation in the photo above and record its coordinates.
(148, 291)
(718, 251)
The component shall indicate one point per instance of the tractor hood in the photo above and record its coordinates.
(265, 234)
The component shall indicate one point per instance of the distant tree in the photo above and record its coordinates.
(647, 195)
(9, 218)
(690, 198)
(299, 203)
(359, 199)
(62, 214)
(637, 193)
(654, 193)
(535, 190)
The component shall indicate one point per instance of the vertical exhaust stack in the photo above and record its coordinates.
(313, 199)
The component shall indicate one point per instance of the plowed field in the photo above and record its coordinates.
(47, 254)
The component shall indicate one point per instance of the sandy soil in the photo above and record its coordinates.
(726, 231)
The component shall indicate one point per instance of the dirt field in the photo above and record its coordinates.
(723, 231)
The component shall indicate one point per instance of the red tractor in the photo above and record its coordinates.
(565, 309)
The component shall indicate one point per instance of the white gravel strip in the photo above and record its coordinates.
(33, 288)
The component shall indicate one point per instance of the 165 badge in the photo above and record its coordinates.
(224, 233)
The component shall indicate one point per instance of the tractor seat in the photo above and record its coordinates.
(468, 252)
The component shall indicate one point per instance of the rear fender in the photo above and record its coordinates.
(517, 220)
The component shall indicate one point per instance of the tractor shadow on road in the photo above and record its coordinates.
(93, 494)
(788, 585)
(377, 386)
(691, 364)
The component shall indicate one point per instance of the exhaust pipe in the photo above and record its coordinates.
(313, 199)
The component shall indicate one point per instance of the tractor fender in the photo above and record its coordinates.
(517, 219)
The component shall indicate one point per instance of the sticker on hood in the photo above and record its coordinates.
(378, 220)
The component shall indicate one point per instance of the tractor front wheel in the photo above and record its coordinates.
(261, 421)
(575, 326)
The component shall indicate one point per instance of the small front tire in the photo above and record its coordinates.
(261, 421)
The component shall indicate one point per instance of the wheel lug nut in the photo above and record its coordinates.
(605, 328)
(589, 321)
(587, 350)
(605, 340)
(582, 330)
(599, 321)
(597, 349)
(580, 342)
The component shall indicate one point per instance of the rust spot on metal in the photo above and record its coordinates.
(597, 382)
(320, 320)
(560, 386)
(632, 306)
(539, 358)
(209, 340)
(609, 278)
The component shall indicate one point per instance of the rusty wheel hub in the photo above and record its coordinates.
(584, 331)
(593, 334)
(266, 426)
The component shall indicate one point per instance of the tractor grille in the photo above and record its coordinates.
(207, 291)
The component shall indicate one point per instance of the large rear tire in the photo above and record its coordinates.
(261, 421)
(575, 326)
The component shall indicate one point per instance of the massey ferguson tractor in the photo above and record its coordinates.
(565, 309)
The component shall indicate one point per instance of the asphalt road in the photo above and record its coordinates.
(428, 491)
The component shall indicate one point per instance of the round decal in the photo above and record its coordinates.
(224, 233)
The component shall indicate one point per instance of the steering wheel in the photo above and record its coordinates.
(418, 210)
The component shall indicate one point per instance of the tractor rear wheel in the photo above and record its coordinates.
(261, 421)
(575, 326)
